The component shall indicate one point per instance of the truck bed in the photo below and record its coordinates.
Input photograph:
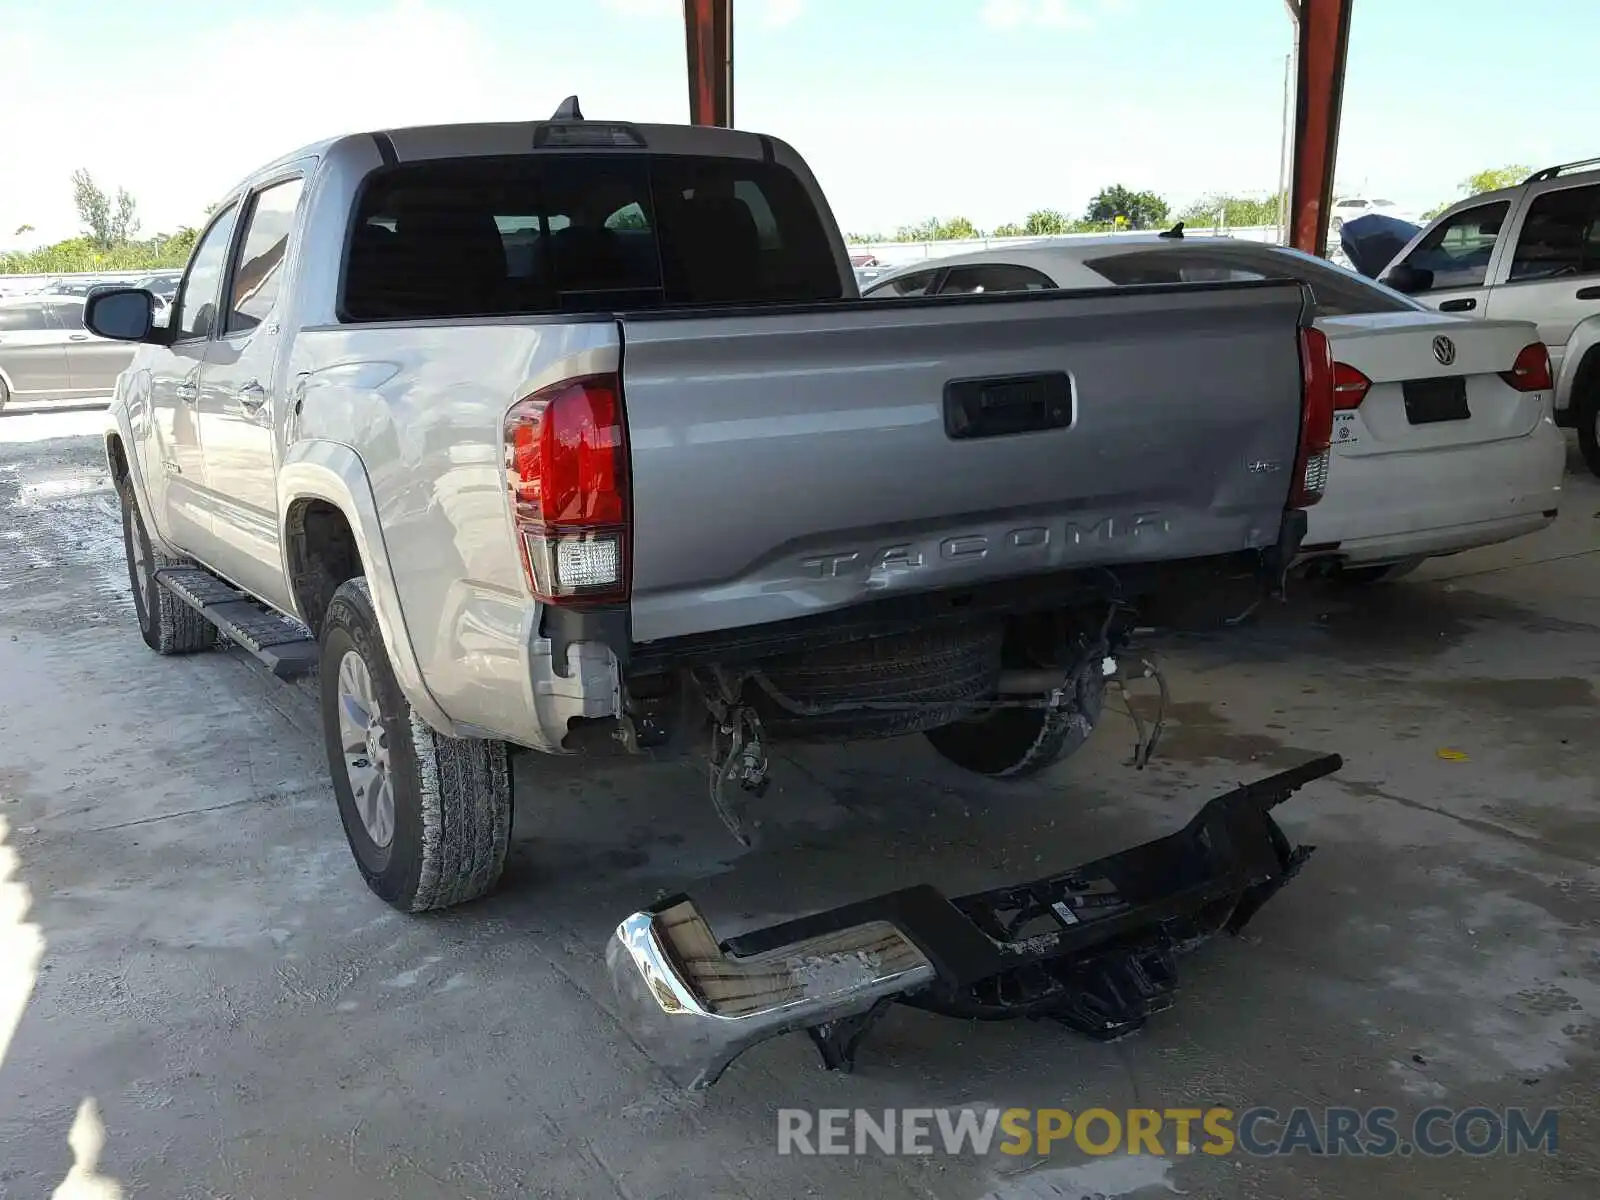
(788, 462)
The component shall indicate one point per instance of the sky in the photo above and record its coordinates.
(982, 108)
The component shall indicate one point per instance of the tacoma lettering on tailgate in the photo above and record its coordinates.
(904, 558)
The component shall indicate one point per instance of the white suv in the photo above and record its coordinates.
(1530, 252)
(1352, 207)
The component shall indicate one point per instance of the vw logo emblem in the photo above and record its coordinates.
(1444, 350)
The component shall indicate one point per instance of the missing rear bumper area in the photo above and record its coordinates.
(1093, 948)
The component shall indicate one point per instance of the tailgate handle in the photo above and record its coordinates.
(1589, 293)
(1466, 305)
(1005, 404)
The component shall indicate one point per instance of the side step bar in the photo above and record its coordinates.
(1092, 948)
(285, 646)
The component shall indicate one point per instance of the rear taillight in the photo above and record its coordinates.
(1316, 419)
(1531, 371)
(567, 467)
(1350, 387)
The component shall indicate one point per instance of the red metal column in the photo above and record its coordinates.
(1323, 36)
(708, 26)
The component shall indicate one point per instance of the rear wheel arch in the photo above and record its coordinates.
(321, 552)
(116, 458)
(1584, 407)
(317, 480)
(1580, 361)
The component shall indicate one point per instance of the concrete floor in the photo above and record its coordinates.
(198, 997)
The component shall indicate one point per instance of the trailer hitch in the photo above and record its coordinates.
(1093, 948)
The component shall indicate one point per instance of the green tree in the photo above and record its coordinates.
(921, 231)
(1046, 222)
(1492, 179)
(1118, 205)
(105, 223)
(1234, 211)
(1009, 229)
(957, 228)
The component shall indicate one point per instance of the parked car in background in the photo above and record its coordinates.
(1530, 252)
(79, 286)
(47, 354)
(1352, 207)
(163, 285)
(1443, 439)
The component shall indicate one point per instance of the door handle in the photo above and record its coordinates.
(251, 396)
(77, 337)
(188, 392)
(1465, 305)
(1589, 293)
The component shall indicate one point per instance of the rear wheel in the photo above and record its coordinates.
(5, 394)
(1011, 743)
(167, 624)
(1015, 742)
(428, 817)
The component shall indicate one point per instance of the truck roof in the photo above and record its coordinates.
(419, 142)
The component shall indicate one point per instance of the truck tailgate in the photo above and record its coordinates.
(793, 461)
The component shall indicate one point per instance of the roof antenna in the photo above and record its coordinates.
(568, 111)
(1175, 232)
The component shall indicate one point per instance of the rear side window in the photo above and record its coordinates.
(993, 277)
(914, 284)
(582, 233)
(15, 318)
(1337, 293)
(1560, 236)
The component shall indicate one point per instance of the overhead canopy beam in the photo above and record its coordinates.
(708, 27)
(1322, 36)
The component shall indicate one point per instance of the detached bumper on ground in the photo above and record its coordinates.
(1093, 947)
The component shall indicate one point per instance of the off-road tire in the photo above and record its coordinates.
(1370, 576)
(167, 624)
(1012, 743)
(936, 673)
(452, 796)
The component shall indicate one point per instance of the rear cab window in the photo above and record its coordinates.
(553, 233)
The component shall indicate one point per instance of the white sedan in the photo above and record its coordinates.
(1443, 438)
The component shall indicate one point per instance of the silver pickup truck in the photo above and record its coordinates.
(576, 436)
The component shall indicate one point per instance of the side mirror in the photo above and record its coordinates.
(1403, 277)
(123, 314)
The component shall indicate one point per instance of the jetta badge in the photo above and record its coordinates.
(1444, 350)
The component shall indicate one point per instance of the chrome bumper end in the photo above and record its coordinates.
(694, 1008)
